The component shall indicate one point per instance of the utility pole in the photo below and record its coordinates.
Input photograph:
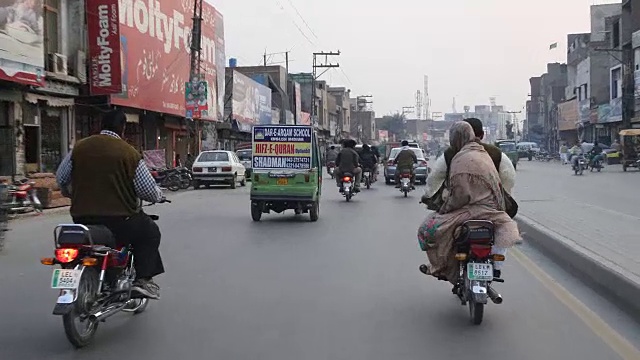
(320, 65)
(195, 60)
(514, 123)
(267, 56)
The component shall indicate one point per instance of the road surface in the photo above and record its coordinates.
(345, 287)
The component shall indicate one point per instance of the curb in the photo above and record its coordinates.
(611, 281)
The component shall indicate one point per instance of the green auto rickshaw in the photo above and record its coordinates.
(509, 148)
(287, 171)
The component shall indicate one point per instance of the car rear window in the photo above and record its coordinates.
(244, 155)
(213, 156)
(396, 151)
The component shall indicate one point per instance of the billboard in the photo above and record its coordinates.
(22, 42)
(196, 98)
(155, 75)
(103, 28)
(568, 115)
(251, 101)
(282, 147)
(306, 119)
(611, 112)
(383, 135)
(298, 110)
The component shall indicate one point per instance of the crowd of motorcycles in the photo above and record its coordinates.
(369, 177)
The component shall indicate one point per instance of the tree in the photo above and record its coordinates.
(394, 124)
(509, 126)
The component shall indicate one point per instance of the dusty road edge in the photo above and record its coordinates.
(614, 283)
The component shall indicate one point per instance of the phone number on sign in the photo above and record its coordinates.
(273, 162)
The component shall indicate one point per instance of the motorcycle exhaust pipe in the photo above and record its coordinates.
(106, 313)
(494, 296)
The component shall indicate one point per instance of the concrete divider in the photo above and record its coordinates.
(613, 282)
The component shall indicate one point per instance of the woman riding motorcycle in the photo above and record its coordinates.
(475, 193)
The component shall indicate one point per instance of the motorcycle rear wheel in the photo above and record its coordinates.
(173, 182)
(87, 293)
(476, 312)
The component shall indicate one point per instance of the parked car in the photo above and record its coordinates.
(246, 157)
(218, 167)
(421, 169)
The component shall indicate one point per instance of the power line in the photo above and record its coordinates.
(302, 18)
(296, 24)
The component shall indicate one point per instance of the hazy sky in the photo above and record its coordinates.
(471, 49)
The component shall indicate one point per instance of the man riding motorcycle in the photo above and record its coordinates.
(440, 170)
(575, 153)
(106, 178)
(596, 154)
(404, 161)
(369, 160)
(331, 156)
(348, 161)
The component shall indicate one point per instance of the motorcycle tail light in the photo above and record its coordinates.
(197, 169)
(154, 173)
(406, 175)
(66, 255)
(481, 251)
(346, 179)
(226, 168)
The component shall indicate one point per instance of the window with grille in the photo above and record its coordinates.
(51, 28)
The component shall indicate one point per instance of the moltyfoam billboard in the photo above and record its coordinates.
(104, 47)
(155, 38)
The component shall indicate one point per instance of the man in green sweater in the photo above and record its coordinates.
(106, 178)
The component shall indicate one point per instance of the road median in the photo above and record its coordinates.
(615, 283)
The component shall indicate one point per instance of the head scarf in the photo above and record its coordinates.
(460, 134)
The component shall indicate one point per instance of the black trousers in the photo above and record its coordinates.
(141, 232)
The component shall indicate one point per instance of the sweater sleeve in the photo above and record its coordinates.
(507, 173)
(437, 177)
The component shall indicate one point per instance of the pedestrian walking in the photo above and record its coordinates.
(564, 154)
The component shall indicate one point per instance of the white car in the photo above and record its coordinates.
(218, 166)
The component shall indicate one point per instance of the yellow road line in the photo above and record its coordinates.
(617, 342)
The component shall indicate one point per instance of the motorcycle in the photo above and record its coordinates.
(347, 187)
(580, 165)
(167, 178)
(331, 169)
(367, 178)
(186, 177)
(476, 267)
(22, 197)
(94, 279)
(595, 164)
(405, 183)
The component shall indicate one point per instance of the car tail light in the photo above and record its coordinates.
(346, 179)
(66, 255)
(390, 163)
(422, 163)
(197, 169)
(226, 168)
(481, 251)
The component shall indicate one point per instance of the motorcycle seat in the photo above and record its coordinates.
(475, 231)
(76, 235)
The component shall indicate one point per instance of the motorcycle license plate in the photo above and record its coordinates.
(282, 181)
(405, 181)
(367, 174)
(480, 272)
(65, 279)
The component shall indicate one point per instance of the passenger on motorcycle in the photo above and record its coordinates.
(501, 161)
(106, 178)
(369, 160)
(348, 161)
(596, 154)
(404, 161)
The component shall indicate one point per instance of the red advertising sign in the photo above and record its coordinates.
(155, 38)
(104, 47)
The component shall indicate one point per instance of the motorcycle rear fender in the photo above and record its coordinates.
(478, 291)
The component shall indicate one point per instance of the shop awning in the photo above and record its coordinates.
(50, 100)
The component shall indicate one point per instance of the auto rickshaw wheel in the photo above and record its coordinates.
(314, 212)
(256, 212)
